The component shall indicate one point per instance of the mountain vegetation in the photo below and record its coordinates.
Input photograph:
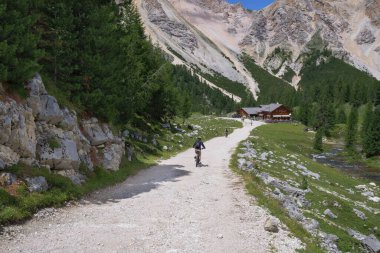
(96, 55)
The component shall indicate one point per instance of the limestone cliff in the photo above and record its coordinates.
(212, 34)
(38, 132)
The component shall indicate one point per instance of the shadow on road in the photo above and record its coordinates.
(144, 182)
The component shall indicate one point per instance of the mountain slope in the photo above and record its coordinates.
(212, 34)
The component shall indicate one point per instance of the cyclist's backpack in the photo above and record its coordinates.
(198, 145)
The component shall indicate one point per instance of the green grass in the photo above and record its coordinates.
(61, 189)
(289, 141)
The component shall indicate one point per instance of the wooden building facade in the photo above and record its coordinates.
(271, 112)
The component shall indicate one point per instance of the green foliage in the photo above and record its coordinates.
(371, 146)
(352, 129)
(289, 74)
(54, 143)
(318, 140)
(272, 89)
(341, 117)
(335, 81)
(233, 87)
(304, 184)
(6, 199)
(19, 53)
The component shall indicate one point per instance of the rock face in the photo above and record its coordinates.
(193, 28)
(37, 184)
(38, 132)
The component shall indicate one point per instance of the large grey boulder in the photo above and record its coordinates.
(271, 225)
(7, 179)
(17, 128)
(69, 121)
(371, 244)
(97, 133)
(8, 157)
(360, 214)
(74, 176)
(44, 106)
(112, 156)
(37, 184)
(57, 149)
(330, 214)
(36, 89)
(49, 110)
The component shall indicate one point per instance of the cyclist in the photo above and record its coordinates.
(198, 145)
(226, 132)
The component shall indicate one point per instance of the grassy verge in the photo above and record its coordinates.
(289, 146)
(18, 204)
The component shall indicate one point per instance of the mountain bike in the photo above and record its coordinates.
(197, 157)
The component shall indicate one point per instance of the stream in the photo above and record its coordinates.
(332, 159)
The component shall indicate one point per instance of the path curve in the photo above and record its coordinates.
(171, 207)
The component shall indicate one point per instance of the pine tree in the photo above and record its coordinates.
(371, 145)
(352, 128)
(341, 117)
(318, 139)
(19, 54)
(366, 121)
(185, 108)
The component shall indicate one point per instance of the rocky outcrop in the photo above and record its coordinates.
(38, 132)
(348, 28)
(57, 148)
(8, 157)
(176, 30)
(365, 36)
(96, 133)
(113, 155)
(17, 128)
(37, 184)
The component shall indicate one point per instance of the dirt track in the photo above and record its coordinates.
(172, 207)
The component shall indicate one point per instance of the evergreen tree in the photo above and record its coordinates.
(318, 139)
(352, 128)
(341, 117)
(371, 145)
(19, 54)
(367, 121)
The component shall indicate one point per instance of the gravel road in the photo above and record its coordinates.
(171, 207)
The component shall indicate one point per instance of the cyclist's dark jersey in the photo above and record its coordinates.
(198, 144)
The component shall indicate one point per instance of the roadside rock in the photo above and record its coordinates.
(58, 150)
(360, 214)
(330, 214)
(17, 128)
(8, 157)
(74, 176)
(69, 121)
(7, 179)
(112, 156)
(36, 89)
(37, 184)
(310, 225)
(371, 244)
(96, 133)
(50, 111)
(271, 225)
(329, 242)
